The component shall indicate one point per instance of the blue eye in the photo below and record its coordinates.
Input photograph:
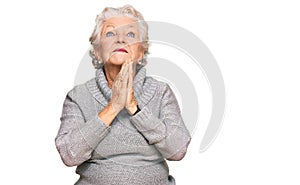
(130, 34)
(110, 34)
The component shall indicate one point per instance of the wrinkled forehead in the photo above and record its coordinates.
(120, 22)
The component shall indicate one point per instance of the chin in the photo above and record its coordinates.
(117, 60)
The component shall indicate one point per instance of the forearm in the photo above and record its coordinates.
(161, 124)
(132, 108)
(77, 137)
(76, 140)
(169, 135)
(108, 114)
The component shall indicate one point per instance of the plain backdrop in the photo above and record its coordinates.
(256, 44)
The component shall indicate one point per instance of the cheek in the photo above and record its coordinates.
(137, 51)
(104, 44)
(105, 48)
(134, 48)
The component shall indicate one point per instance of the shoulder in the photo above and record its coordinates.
(161, 87)
(82, 90)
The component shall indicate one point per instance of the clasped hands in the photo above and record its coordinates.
(123, 91)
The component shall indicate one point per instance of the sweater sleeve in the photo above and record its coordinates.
(167, 132)
(77, 137)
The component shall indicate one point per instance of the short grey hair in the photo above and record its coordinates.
(109, 12)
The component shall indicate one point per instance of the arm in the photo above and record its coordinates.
(77, 137)
(167, 132)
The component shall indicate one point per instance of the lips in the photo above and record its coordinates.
(120, 50)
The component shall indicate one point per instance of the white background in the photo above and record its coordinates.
(256, 44)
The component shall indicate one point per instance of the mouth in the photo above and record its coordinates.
(120, 50)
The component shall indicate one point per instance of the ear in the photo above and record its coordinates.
(97, 54)
(142, 52)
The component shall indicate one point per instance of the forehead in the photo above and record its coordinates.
(119, 21)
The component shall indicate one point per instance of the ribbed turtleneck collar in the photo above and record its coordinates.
(144, 87)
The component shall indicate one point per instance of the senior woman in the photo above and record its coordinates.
(121, 126)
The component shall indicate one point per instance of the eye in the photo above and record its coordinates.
(110, 34)
(131, 34)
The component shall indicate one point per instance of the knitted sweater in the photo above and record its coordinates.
(133, 149)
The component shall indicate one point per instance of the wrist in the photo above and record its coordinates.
(137, 111)
(132, 109)
(108, 114)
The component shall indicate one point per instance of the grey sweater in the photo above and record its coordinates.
(133, 149)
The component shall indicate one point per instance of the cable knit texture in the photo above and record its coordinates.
(133, 149)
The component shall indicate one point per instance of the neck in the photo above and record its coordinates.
(111, 72)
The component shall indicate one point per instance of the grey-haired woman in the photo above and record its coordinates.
(121, 126)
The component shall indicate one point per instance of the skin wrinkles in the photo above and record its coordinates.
(119, 45)
(120, 26)
(120, 48)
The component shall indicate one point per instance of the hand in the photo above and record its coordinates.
(122, 94)
(131, 103)
(119, 89)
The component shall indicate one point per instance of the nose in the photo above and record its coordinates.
(120, 39)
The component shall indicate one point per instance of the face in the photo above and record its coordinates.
(120, 41)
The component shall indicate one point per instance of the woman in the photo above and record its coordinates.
(120, 126)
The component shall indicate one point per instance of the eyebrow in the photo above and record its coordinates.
(109, 25)
(113, 26)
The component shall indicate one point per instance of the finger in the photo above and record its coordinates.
(121, 73)
(130, 72)
(134, 69)
(123, 68)
(117, 84)
(124, 77)
(128, 61)
(125, 72)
